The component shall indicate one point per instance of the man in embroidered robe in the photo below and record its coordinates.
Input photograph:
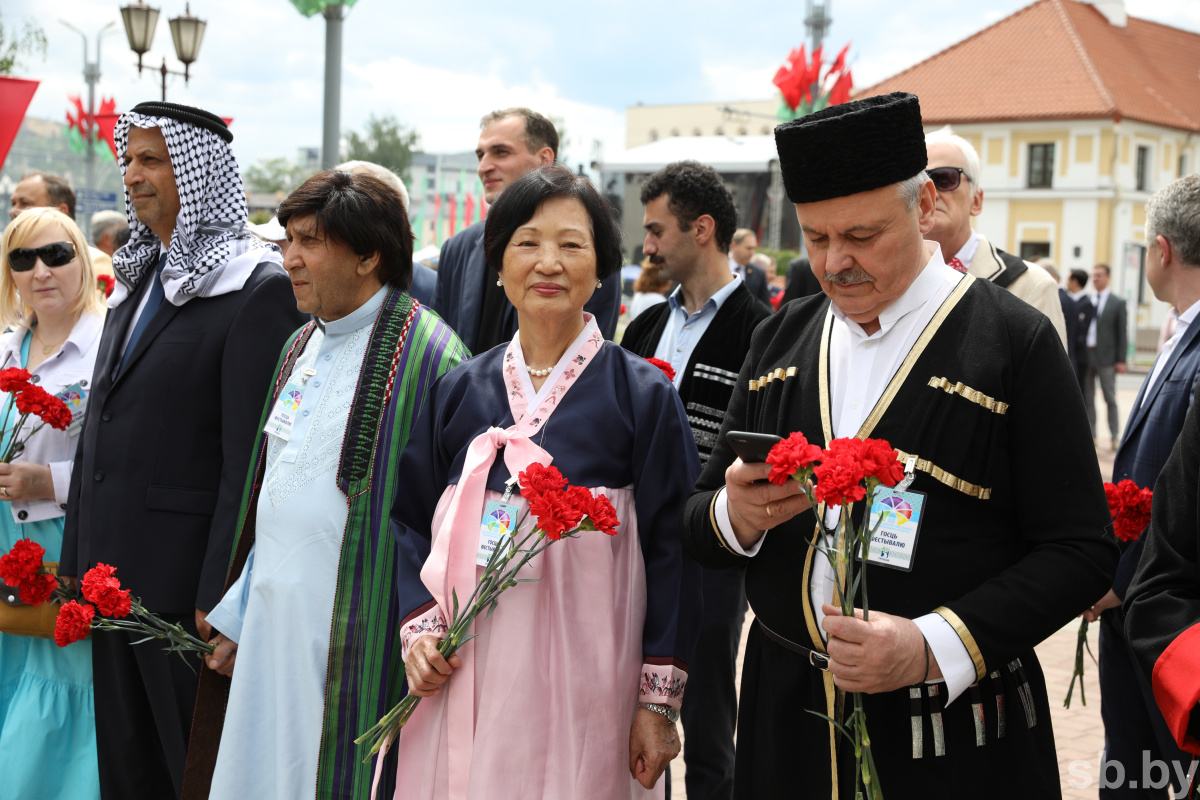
(308, 624)
(954, 170)
(200, 309)
(954, 372)
(703, 332)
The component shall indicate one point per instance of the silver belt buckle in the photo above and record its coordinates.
(818, 660)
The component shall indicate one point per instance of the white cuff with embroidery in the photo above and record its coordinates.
(958, 669)
(425, 621)
(721, 512)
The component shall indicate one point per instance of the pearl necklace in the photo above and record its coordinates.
(539, 373)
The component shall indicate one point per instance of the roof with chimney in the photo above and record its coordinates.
(1061, 59)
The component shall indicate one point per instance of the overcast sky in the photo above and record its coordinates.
(439, 66)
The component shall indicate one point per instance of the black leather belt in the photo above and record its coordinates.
(818, 660)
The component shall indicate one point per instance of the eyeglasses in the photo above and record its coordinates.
(946, 179)
(55, 254)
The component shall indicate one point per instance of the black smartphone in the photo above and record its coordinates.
(752, 448)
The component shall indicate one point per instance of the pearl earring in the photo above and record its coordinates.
(598, 284)
(499, 282)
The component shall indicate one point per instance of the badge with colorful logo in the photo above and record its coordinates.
(291, 400)
(895, 520)
(75, 396)
(283, 413)
(497, 525)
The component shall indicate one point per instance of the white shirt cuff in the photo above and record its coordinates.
(60, 476)
(958, 669)
(721, 512)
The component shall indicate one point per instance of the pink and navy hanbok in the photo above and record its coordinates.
(543, 704)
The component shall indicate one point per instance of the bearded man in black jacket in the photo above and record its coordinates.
(703, 331)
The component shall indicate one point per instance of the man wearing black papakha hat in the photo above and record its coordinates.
(173, 411)
(973, 388)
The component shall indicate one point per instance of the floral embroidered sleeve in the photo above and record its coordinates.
(663, 682)
(428, 620)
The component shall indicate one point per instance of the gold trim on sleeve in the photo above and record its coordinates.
(967, 639)
(966, 392)
(940, 475)
(712, 518)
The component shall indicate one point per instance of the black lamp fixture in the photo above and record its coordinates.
(187, 32)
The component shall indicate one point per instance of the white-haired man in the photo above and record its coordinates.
(954, 373)
(954, 169)
(424, 280)
(110, 230)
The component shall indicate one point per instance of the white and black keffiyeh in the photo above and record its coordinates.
(211, 253)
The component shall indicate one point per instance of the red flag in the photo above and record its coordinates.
(105, 124)
(15, 96)
(468, 211)
(453, 213)
(814, 75)
(841, 89)
(790, 78)
(840, 62)
(483, 207)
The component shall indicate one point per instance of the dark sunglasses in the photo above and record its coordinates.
(55, 254)
(946, 179)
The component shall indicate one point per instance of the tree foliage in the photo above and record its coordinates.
(385, 142)
(18, 44)
(274, 175)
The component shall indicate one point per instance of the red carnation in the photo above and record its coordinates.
(38, 589)
(35, 400)
(106, 283)
(603, 515)
(74, 622)
(840, 473)
(13, 378)
(101, 588)
(789, 456)
(578, 499)
(537, 480)
(667, 369)
(555, 515)
(22, 562)
(881, 461)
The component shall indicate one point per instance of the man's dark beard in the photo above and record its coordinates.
(846, 277)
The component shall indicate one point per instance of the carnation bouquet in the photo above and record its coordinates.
(107, 606)
(1129, 507)
(560, 512)
(849, 471)
(27, 399)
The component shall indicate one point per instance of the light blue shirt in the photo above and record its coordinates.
(682, 333)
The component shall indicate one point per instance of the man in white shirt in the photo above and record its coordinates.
(953, 372)
(1133, 723)
(954, 169)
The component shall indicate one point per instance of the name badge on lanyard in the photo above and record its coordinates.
(76, 397)
(896, 520)
(283, 414)
(498, 525)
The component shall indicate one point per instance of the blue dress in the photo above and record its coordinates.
(47, 720)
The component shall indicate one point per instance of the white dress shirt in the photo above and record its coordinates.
(683, 332)
(1101, 299)
(861, 367)
(73, 363)
(1181, 325)
(966, 254)
(737, 269)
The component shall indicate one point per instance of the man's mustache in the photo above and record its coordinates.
(847, 277)
(657, 259)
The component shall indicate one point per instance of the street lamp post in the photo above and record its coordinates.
(187, 32)
(91, 75)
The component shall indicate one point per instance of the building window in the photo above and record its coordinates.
(1032, 250)
(1041, 166)
(1143, 168)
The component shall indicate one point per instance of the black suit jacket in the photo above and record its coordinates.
(1071, 319)
(1086, 311)
(756, 283)
(800, 281)
(163, 456)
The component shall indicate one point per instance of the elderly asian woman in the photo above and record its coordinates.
(572, 687)
(48, 297)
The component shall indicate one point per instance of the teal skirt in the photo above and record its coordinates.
(47, 719)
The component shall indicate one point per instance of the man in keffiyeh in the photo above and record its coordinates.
(173, 414)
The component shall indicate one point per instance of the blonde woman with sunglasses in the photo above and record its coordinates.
(48, 299)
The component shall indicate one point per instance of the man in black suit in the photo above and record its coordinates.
(1077, 282)
(740, 250)
(176, 399)
(801, 282)
(1133, 723)
(1106, 342)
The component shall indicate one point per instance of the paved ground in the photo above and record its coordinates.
(1078, 731)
